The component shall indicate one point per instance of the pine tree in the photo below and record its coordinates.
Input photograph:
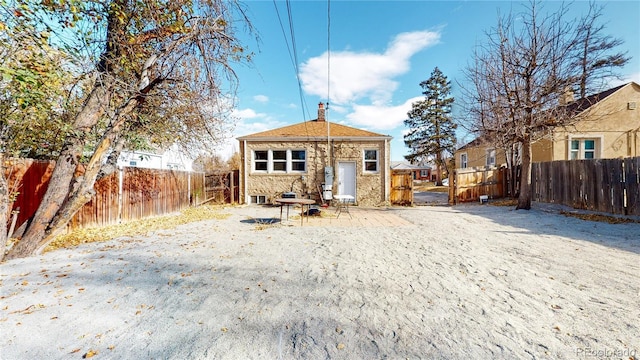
(431, 128)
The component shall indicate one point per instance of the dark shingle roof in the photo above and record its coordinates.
(580, 105)
(573, 108)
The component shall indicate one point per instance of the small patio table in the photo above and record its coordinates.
(292, 201)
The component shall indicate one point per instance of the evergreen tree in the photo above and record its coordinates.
(431, 129)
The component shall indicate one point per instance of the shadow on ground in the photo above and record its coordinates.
(432, 198)
(547, 219)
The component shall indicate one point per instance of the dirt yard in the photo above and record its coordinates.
(438, 282)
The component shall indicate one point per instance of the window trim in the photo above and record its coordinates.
(465, 162)
(291, 161)
(271, 161)
(275, 161)
(258, 199)
(581, 151)
(488, 157)
(255, 161)
(365, 161)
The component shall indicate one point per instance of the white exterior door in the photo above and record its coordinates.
(347, 178)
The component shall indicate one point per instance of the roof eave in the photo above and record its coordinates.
(314, 138)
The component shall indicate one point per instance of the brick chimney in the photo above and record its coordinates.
(320, 112)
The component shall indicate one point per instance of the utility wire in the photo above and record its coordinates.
(293, 52)
(328, 82)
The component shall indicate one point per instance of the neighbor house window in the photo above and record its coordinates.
(298, 160)
(280, 161)
(260, 160)
(424, 173)
(491, 157)
(583, 149)
(463, 160)
(371, 160)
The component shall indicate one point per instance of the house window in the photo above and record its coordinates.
(463, 160)
(258, 199)
(260, 160)
(371, 160)
(280, 160)
(583, 149)
(424, 173)
(491, 157)
(298, 160)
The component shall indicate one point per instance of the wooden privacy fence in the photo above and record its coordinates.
(222, 187)
(470, 184)
(127, 194)
(401, 187)
(27, 180)
(134, 193)
(606, 185)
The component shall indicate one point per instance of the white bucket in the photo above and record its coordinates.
(484, 199)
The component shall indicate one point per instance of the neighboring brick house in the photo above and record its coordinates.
(609, 127)
(295, 159)
(419, 172)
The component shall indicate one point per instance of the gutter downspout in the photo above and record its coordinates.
(245, 180)
(326, 117)
(387, 170)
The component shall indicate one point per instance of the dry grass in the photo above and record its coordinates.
(599, 217)
(588, 217)
(504, 202)
(429, 186)
(133, 228)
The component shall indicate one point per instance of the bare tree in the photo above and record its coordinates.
(519, 79)
(156, 70)
(593, 55)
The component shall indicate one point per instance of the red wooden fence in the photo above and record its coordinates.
(127, 194)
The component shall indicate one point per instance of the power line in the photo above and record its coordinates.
(328, 82)
(293, 52)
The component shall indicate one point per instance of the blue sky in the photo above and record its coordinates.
(379, 53)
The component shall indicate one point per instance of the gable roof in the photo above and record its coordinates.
(473, 143)
(580, 105)
(573, 108)
(314, 129)
(402, 165)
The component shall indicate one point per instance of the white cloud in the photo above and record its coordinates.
(380, 117)
(364, 75)
(248, 122)
(247, 114)
(261, 98)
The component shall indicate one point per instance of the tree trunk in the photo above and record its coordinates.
(438, 170)
(64, 179)
(513, 186)
(82, 193)
(4, 208)
(513, 171)
(524, 199)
